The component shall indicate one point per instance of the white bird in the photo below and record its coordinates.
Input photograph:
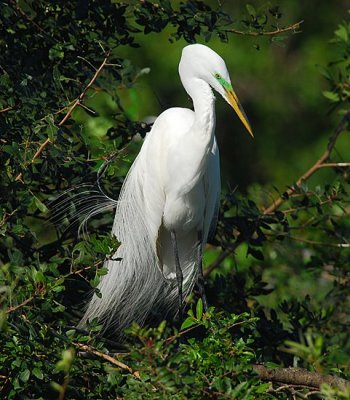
(169, 202)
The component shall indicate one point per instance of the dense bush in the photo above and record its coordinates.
(278, 271)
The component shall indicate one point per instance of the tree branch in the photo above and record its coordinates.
(40, 149)
(82, 95)
(76, 103)
(292, 27)
(6, 109)
(299, 376)
(15, 308)
(335, 165)
(320, 163)
(106, 357)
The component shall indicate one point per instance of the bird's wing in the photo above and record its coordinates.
(212, 188)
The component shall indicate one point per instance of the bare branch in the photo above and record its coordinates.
(40, 149)
(276, 32)
(15, 308)
(88, 62)
(6, 109)
(82, 95)
(335, 165)
(170, 339)
(299, 376)
(106, 357)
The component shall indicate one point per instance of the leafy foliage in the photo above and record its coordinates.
(61, 77)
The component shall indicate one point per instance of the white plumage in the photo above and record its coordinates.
(168, 203)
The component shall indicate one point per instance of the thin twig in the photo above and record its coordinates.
(320, 204)
(170, 339)
(219, 260)
(307, 241)
(290, 385)
(335, 165)
(82, 95)
(40, 149)
(292, 27)
(320, 163)
(15, 308)
(6, 109)
(88, 62)
(106, 357)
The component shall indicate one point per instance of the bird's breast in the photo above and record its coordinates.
(185, 212)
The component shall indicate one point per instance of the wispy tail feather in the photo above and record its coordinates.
(78, 205)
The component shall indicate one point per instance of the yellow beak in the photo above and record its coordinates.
(236, 105)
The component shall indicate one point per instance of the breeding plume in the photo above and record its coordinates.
(168, 204)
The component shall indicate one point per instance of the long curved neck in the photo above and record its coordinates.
(204, 109)
(196, 142)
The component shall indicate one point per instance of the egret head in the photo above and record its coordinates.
(201, 62)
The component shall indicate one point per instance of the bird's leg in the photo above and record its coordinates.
(200, 276)
(179, 275)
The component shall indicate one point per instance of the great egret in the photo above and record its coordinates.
(169, 201)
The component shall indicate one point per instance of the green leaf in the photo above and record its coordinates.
(71, 333)
(251, 10)
(24, 375)
(271, 365)
(56, 386)
(58, 308)
(39, 277)
(51, 128)
(66, 361)
(199, 309)
(263, 387)
(38, 373)
(102, 271)
(187, 323)
(56, 52)
(334, 97)
(262, 19)
(279, 40)
(40, 205)
(161, 327)
(342, 33)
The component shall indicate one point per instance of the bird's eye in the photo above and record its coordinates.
(217, 76)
